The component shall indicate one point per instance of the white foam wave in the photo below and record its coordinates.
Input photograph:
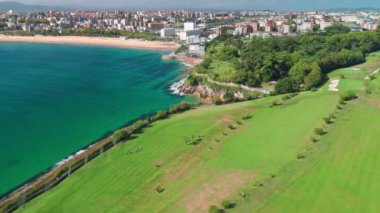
(175, 88)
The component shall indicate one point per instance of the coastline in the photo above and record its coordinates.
(94, 41)
(77, 159)
(63, 169)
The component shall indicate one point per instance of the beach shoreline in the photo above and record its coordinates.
(94, 41)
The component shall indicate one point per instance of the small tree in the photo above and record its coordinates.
(120, 135)
(319, 131)
(276, 103)
(160, 189)
(300, 156)
(229, 96)
(217, 101)
(228, 204)
(314, 139)
(286, 97)
(231, 127)
(246, 117)
(285, 85)
(215, 209)
(327, 120)
(348, 96)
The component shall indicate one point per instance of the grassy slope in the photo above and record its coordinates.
(261, 145)
(340, 174)
(345, 178)
(194, 177)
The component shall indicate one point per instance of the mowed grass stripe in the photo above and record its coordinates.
(114, 165)
(346, 178)
(117, 181)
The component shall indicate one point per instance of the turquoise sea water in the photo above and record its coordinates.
(57, 99)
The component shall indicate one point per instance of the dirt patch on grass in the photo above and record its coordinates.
(228, 118)
(214, 191)
(357, 75)
(376, 104)
(172, 174)
(188, 161)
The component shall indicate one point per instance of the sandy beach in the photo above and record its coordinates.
(97, 41)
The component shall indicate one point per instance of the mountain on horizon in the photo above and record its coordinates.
(20, 7)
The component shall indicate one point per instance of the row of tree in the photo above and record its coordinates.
(297, 63)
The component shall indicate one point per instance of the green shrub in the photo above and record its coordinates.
(181, 107)
(217, 101)
(231, 127)
(229, 97)
(215, 209)
(300, 156)
(314, 139)
(332, 116)
(251, 96)
(193, 80)
(160, 189)
(342, 76)
(138, 125)
(193, 140)
(276, 103)
(348, 96)
(160, 115)
(228, 204)
(313, 89)
(286, 97)
(120, 135)
(286, 85)
(327, 120)
(246, 117)
(319, 131)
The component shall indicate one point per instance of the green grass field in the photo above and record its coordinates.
(341, 174)
(251, 162)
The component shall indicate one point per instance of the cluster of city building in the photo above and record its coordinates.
(191, 28)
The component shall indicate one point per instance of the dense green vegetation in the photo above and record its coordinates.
(33, 21)
(314, 152)
(297, 63)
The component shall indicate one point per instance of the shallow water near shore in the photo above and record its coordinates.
(57, 99)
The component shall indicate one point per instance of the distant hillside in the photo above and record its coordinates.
(19, 7)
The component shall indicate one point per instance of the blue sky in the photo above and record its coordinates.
(216, 4)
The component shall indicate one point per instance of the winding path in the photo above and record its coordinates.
(239, 86)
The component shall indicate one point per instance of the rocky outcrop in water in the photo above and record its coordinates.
(201, 91)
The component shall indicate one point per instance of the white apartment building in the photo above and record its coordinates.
(189, 26)
(184, 34)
